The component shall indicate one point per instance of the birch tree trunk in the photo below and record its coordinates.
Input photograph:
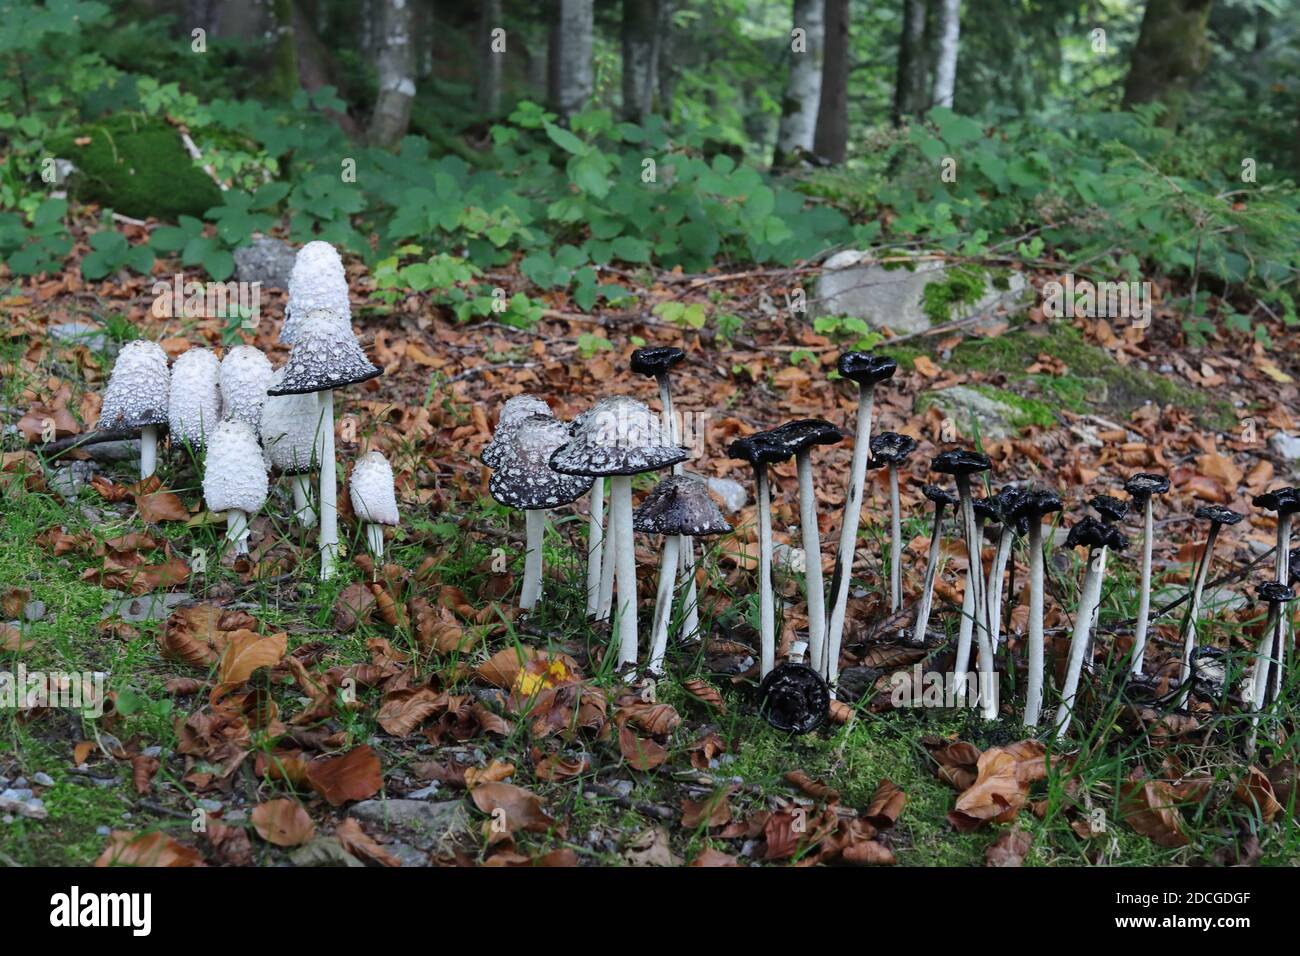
(804, 84)
(832, 136)
(571, 78)
(945, 66)
(910, 93)
(1172, 50)
(490, 60)
(640, 24)
(396, 67)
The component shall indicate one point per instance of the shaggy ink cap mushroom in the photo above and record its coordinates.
(987, 509)
(194, 402)
(794, 698)
(246, 374)
(1144, 484)
(137, 392)
(1275, 592)
(1218, 515)
(866, 368)
(1111, 509)
(317, 281)
(1009, 501)
(374, 498)
(1285, 501)
(1293, 564)
(680, 504)
(524, 479)
(940, 495)
(513, 412)
(890, 448)
(1089, 533)
(760, 449)
(291, 431)
(618, 436)
(960, 463)
(656, 361)
(1037, 504)
(235, 477)
(325, 356)
(802, 434)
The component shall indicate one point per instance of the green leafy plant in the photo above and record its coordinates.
(110, 252)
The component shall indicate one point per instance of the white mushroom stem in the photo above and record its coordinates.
(895, 544)
(620, 515)
(849, 532)
(605, 606)
(329, 511)
(812, 550)
(1194, 607)
(965, 629)
(595, 544)
(1282, 565)
(302, 507)
(535, 535)
(686, 559)
(1085, 617)
(1269, 655)
(766, 608)
(664, 603)
(975, 582)
(375, 539)
(1144, 590)
(1005, 540)
(237, 530)
(148, 450)
(1264, 655)
(1034, 688)
(931, 571)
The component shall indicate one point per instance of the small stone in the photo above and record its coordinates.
(408, 855)
(1287, 446)
(266, 260)
(324, 851)
(424, 823)
(147, 607)
(80, 333)
(103, 830)
(731, 494)
(424, 793)
(69, 480)
(154, 751)
(34, 610)
(961, 403)
(42, 779)
(211, 806)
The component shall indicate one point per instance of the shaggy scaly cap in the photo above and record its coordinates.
(291, 430)
(512, 413)
(194, 407)
(525, 480)
(234, 475)
(137, 388)
(371, 488)
(617, 436)
(245, 377)
(317, 281)
(325, 356)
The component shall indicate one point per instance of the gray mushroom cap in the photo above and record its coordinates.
(136, 396)
(513, 412)
(524, 479)
(234, 474)
(680, 504)
(325, 356)
(617, 436)
(292, 431)
(194, 403)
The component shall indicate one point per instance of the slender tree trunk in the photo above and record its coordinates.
(804, 84)
(396, 66)
(572, 80)
(945, 65)
(664, 71)
(640, 23)
(1172, 50)
(832, 136)
(910, 93)
(285, 73)
(490, 58)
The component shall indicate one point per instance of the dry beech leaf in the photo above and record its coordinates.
(283, 823)
(494, 772)
(713, 811)
(706, 693)
(128, 848)
(1009, 848)
(640, 753)
(402, 713)
(246, 652)
(520, 809)
(710, 857)
(354, 775)
(886, 804)
(1151, 808)
(357, 842)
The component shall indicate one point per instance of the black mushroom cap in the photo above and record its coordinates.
(867, 368)
(1284, 501)
(890, 448)
(1110, 509)
(794, 698)
(524, 479)
(1144, 484)
(800, 435)
(656, 360)
(960, 463)
(1116, 539)
(1089, 533)
(987, 509)
(616, 436)
(940, 495)
(1009, 500)
(759, 449)
(1035, 504)
(679, 504)
(1275, 592)
(1294, 565)
(1218, 515)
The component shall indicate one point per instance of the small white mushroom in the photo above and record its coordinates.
(136, 397)
(317, 281)
(234, 478)
(293, 437)
(245, 377)
(194, 406)
(373, 498)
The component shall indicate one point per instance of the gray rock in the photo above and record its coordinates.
(1288, 446)
(34, 610)
(423, 823)
(80, 333)
(42, 779)
(893, 298)
(323, 851)
(731, 494)
(154, 751)
(146, 607)
(961, 403)
(408, 855)
(68, 480)
(265, 260)
(424, 793)
(1213, 600)
(128, 450)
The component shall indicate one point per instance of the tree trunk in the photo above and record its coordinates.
(910, 93)
(1172, 50)
(640, 25)
(284, 75)
(664, 70)
(396, 66)
(571, 78)
(832, 136)
(945, 65)
(490, 60)
(804, 84)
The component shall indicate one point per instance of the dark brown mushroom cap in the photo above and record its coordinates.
(1110, 509)
(1284, 501)
(890, 448)
(325, 356)
(1218, 515)
(1089, 533)
(800, 435)
(524, 479)
(618, 436)
(1275, 592)
(867, 368)
(759, 449)
(1144, 484)
(679, 504)
(939, 495)
(1035, 504)
(794, 698)
(656, 361)
(960, 463)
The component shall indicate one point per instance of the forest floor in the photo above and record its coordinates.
(408, 714)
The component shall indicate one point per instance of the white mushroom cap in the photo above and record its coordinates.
(291, 430)
(245, 377)
(317, 281)
(524, 481)
(373, 497)
(513, 412)
(137, 388)
(234, 474)
(325, 356)
(194, 407)
(616, 436)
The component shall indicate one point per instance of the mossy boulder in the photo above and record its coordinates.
(137, 166)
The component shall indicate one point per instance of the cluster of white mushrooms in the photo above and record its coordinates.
(246, 420)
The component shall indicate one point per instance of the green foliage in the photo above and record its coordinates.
(453, 282)
(40, 248)
(110, 252)
(196, 248)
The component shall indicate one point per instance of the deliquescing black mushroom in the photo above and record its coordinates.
(1142, 488)
(794, 698)
(1007, 502)
(868, 370)
(800, 437)
(941, 499)
(1033, 508)
(136, 398)
(679, 508)
(1266, 674)
(986, 509)
(1285, 502)
(889, 450)
(1218, 518)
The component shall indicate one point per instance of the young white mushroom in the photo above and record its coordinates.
(525, 481)
(293, 438)
(374, 499)
(194, 403)
(325, 356)
(136, 397)
(985, 510)
(316, 282)
(245, 376)
(234, 478)
(1143, 488)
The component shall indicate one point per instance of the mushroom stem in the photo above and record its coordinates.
(620, 514)
(669, 418)
(686, 559)
(148, 450)
(1085, 616)
(975, 582)
(1283, 567)
(302, 509)
(812, 549)
(375, 539)
(237, 529)
(664, 602)
(961, 663)
(931, 571)
(994, 598)
(766, 610)
(849, 532)
(605, 606)
(1144, 590)
(1034, 688)
(1264, 655)
(895, 544)
(535, 533)
(1194, 606)
(329, 511)
(595, 544)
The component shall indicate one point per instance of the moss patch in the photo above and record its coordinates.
(961, 285)
(1028, 411)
